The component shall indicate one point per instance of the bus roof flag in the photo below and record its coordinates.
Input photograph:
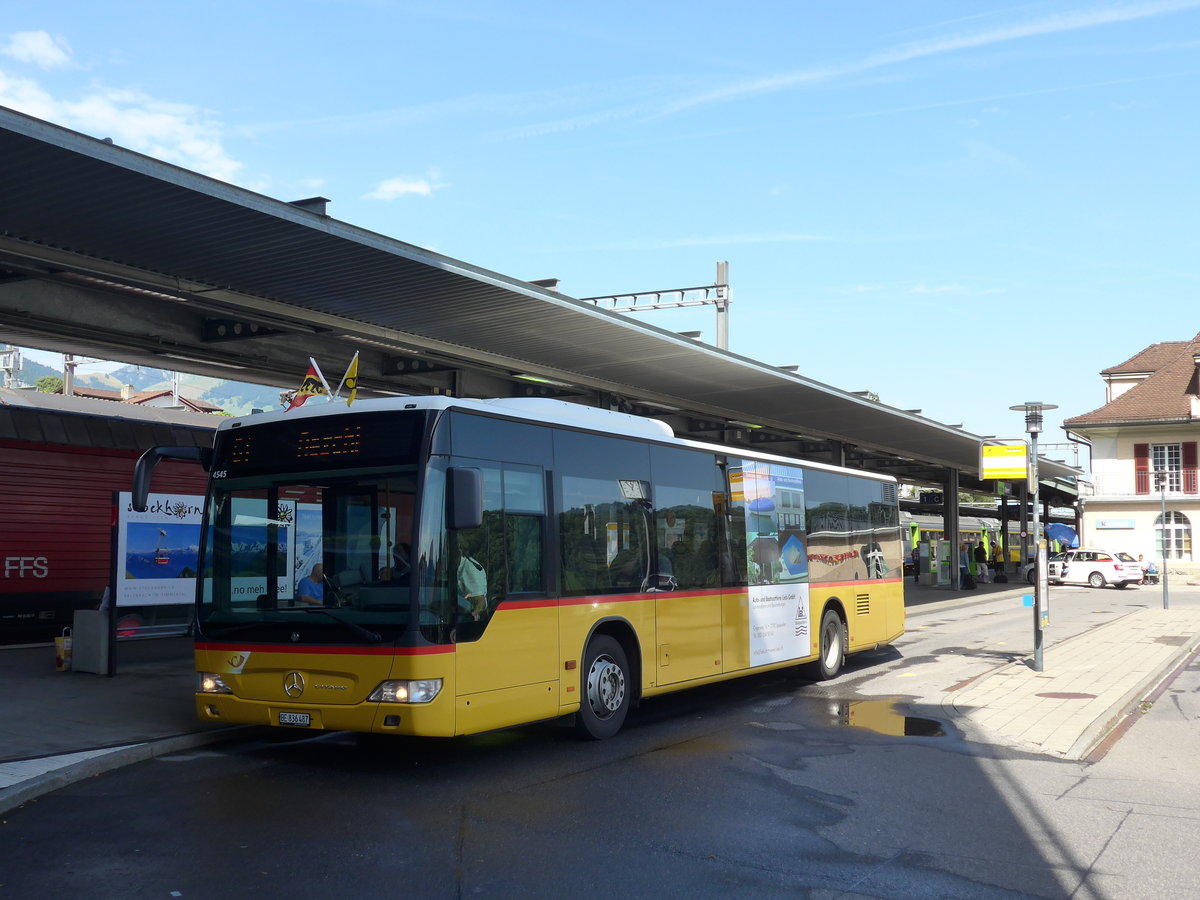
(350, 380)
(311, 386)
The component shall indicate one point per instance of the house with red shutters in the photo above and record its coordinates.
(1144, 457)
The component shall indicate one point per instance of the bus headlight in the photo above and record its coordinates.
(422, 691)
(211, 683)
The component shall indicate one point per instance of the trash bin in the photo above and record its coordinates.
(90, 639)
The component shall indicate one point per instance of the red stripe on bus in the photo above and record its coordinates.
(541, 603)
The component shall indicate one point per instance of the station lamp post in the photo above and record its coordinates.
(1161, 476)
(1033, 424)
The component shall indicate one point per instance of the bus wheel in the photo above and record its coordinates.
(833, 646)
(605, 689)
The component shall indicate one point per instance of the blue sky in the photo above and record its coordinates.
(959, 206)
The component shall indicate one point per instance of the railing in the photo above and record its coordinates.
(1179, 481)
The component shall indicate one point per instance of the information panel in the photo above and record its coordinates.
(1004, 462)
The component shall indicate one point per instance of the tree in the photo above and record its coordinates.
(49, 384)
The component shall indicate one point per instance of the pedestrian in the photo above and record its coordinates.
(916, 561)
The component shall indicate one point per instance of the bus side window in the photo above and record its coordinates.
(605, 519)
(504, 554)
(524, 518)
(686, 485)
(523, 537)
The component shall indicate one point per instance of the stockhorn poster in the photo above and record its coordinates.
(157, 550)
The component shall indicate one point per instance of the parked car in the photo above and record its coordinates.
(1029, 570)
(1088, 566)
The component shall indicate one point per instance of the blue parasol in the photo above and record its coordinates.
(1056, 531)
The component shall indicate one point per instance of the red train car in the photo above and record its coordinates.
(61, 459)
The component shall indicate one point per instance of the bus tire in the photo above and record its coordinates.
(832, 648)
(604, 689)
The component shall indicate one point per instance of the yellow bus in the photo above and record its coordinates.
(433, 566)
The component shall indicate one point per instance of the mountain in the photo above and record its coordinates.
(234, 397)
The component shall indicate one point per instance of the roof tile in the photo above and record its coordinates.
(1162, 395)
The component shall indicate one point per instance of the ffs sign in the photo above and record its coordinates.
(26, 567)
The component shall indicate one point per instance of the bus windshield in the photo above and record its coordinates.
(318, 558)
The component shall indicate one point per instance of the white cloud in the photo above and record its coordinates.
(26, 95)
(862, 289)
(953, 290)
(992, 157)
(719, 240)
(177, 133)
(173, 132)
(731, 239)
(1074, 20)
(44, 50)
(394, 188)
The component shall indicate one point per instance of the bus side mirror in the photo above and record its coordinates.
(148, 460)
(464, 507)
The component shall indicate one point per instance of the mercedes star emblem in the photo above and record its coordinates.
(293, 684)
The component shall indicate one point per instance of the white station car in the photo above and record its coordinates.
(1094, 567)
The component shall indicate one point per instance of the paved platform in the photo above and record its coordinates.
(60, 727)
(1093, 681)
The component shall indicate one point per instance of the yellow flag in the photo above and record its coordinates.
(351, 380)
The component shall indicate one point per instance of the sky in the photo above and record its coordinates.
(958, 206)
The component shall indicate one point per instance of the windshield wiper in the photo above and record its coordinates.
(367, 635)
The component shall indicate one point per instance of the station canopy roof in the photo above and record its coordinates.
(111, 254)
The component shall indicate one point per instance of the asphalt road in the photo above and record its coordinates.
(753, 788)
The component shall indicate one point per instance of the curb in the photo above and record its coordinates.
(108, 760)
(1150, 687)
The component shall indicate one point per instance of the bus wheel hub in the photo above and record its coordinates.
(605, 686)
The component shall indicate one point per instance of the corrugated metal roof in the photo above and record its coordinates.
(31, 416)
(74, 205)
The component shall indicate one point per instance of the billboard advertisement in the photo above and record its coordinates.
(157, 550)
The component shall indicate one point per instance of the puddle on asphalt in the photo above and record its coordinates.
(882, 717)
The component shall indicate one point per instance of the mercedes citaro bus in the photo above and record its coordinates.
(487, 563)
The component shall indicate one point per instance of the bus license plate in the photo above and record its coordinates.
(291, 718)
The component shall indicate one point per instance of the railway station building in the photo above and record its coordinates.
(1144, 441)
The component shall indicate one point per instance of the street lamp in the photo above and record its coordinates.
(1161, 475)
(1033, 424)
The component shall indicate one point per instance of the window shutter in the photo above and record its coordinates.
(1141, 468)
(1189, 466)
